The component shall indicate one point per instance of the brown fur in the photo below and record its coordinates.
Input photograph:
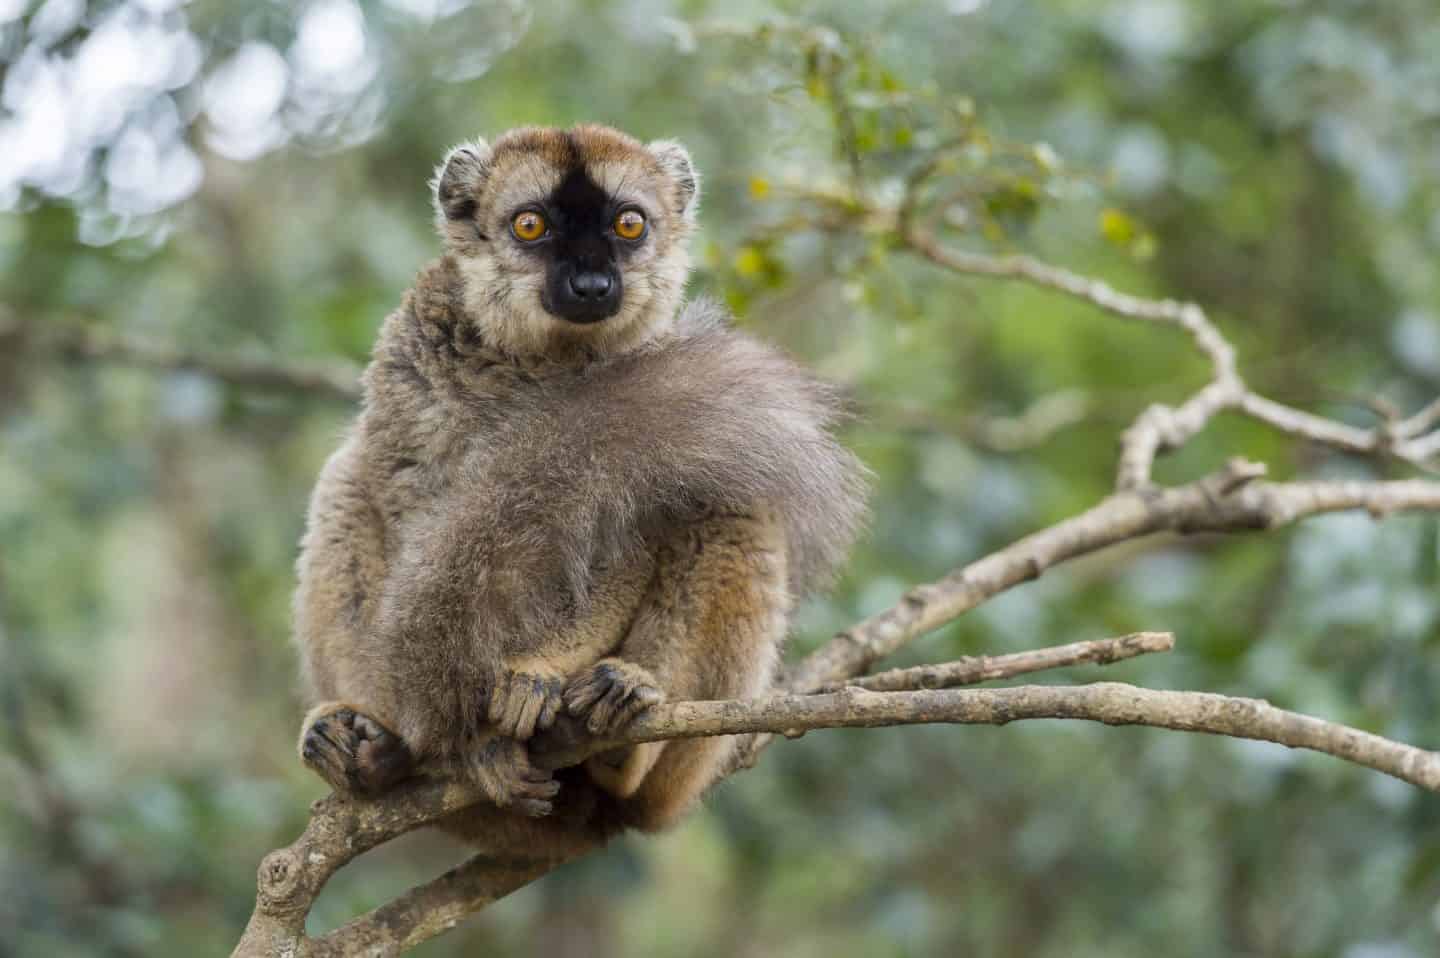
(533, 517)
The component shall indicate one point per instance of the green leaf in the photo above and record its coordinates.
(1128, 233)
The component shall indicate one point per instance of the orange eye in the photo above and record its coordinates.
(528, 226)
(630, 225)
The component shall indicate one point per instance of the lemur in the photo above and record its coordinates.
(567, 492)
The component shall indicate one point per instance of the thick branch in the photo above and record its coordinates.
(340, 829)
(432, 908)
(332, 379)
(1112, 703)
(439, 905)
(565, 746)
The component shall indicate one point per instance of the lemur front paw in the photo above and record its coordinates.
(611, 693)
(352, 751)
(502, 769)
(523, 701)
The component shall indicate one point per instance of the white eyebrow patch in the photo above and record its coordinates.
(524, 179)
(624, 180)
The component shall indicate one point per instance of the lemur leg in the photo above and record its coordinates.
(347, 739)
(710, 627)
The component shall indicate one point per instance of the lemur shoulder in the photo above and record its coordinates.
(566, 493)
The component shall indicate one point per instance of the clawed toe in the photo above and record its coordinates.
(502, 769)
(611, 694)
(522, 703)
(353, 752)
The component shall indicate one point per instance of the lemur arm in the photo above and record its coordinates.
(710, 627)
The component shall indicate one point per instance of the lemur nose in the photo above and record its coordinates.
(590, 285)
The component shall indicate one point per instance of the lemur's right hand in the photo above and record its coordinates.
(524, 701)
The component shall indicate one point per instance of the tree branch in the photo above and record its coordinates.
(1423, 421)
(1161, 428)
(987, 668)
(340, 829)
(432, 908)
(1230, 500)
(331, 379)
(1112, 703)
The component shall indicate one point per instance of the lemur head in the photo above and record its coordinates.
(570, 241)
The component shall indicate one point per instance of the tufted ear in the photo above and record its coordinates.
(458, 180)
(675, 161)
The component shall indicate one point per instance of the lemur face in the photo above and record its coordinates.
(582, 234)
(569, 238)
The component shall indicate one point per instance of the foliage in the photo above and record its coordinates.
(261, 191)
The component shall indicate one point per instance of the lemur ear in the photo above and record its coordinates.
(675, 161)
(458, 180)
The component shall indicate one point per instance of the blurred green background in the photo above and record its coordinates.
(248, 179)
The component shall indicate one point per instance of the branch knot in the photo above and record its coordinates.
(279, 881)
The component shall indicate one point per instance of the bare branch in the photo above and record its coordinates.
(333, 379)
(1112, 703)
(292, 877)
(1425, 448)
(1315, 428)
(1227, 501)
(1160, 428)
(1033, 426)
(987, 668)
(1422, 422)
(432, 908)
(341, 828)
(1187, 316)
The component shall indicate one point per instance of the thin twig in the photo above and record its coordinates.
(1046, 417)
(1159, 428)
(1427, 418)
(331, 379)
(987, 668)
